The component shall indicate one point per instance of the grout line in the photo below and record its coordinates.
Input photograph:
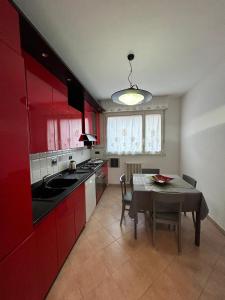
(210, 273)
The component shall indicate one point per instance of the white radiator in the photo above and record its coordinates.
(132, 168)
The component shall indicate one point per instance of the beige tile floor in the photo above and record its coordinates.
(107, 263)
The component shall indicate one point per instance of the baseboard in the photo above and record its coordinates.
(216, 225)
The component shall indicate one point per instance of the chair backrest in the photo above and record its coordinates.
(123, 185)
(167, 202)
(150, 171)
(190, 180)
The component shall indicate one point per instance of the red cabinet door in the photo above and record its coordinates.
(15, 192)
(65, 228)
(88, 117)
(61, 113)
(97, 119)
(80, 209)
(47, 253)
(18, 273)
(9, 25)
(39, 91)
(75, 124)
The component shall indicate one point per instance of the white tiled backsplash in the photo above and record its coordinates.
(41, 163)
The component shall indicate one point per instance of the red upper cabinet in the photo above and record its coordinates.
(88, 117)
(75, 125)
(39, 91)
(61, 114)
(46, 254)
(18, 273)
(15, 193)
(9, 25)
(92, 121)
(98, 141)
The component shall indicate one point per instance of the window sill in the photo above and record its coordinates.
(161, 154)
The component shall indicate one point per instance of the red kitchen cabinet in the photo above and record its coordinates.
(75, 125)
(61, 113)
(98, 141)
(80, 209)
(65, 227)
(9, 26)
(18, 273)
(88, 117)
(39, 91)
(15, 193)
(46, 254)
(92, 121)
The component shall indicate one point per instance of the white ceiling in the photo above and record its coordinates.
(176, 42)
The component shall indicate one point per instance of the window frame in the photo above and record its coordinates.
(143, 114)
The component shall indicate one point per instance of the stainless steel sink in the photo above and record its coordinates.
(61, 182)
(45, 193)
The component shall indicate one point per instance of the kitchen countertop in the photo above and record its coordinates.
(44, 207)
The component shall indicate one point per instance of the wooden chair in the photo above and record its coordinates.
(166, 209)
(192, 182)
(150, 171)
(126, 197)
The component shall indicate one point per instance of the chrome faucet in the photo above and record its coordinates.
(44, 179)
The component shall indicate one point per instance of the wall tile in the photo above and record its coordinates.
(41, 163)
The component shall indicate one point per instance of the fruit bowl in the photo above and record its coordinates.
(161, 179)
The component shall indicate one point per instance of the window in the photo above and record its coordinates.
(153, 133)
(125, 134)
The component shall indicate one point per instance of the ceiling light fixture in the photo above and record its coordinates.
(133, 95)
(44, 54)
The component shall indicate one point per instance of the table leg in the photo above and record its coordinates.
(197, 229)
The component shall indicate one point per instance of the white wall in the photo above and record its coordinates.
(203, 140)
(168, 163)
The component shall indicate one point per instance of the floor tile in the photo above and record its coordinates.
(108, 263)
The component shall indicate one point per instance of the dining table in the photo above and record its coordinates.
(194, 200)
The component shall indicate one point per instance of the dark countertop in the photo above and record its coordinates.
(44, 207)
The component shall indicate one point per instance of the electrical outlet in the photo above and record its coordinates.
(54, 161)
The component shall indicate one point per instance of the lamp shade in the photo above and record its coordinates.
(131, 96)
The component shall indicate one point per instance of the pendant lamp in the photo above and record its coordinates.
(133, 95)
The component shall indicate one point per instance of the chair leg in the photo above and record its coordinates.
(153, 232)
(135, 229)
(193, 217)
(179, 239)
(122, 214)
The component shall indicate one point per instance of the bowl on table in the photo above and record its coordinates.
(161, 179)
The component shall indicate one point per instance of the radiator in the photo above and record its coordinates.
(132, 168)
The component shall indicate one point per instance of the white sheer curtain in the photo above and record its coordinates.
(153, 133)
(124, 134)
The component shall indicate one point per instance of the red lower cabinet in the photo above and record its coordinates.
(65, 227)
(18, 273)
(70, 220)
(47, 256)
(80, 209)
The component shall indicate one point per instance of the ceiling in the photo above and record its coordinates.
(176, 42)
